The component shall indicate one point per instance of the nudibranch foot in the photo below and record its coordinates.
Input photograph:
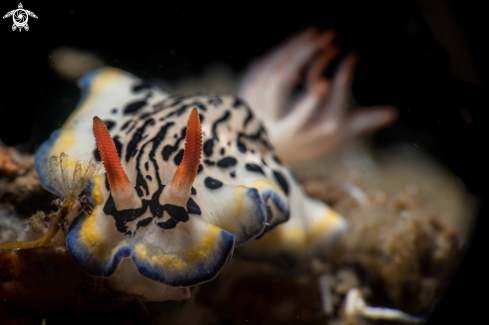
(128, 279)
(187, 255)
(311, 231)
(239, 210)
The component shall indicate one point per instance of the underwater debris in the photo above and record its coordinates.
(8, 166)
(325, 282)
(10, 223)
(355, 306)
(72, 64)
(68, 186)
(22, 194)
(396, 243)
(404, 242)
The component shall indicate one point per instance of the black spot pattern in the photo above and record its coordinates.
(241, 146)
(134, 107)
(179, 157)
(140, 181)
(237, 102)
(257, 136)
(139, 191)
(254, 168)
(178, 112)
(193, 207)
(281, 181)
(109, 124)
(124, 216)
(216, 101)
(131, 128)
(144, 223)
(208, 145)
(177, 214)
(137, 146)
(168, 149)
(249, 114)
(278, 161)
(125, 125)
(136, 138)
(227, 162)
(177, 101)
(248, 118)
(141, 86)
(96, 155)
(212, 183)
(223, 119)
(107, 185)
(168, 224)
(118, 146)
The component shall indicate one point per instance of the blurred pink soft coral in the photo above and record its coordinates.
(319, 121)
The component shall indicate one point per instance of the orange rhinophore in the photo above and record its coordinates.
(119, 183)
(186, 172)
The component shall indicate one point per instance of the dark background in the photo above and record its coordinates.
(401, 64)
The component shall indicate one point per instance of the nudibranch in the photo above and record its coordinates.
(187, 179)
